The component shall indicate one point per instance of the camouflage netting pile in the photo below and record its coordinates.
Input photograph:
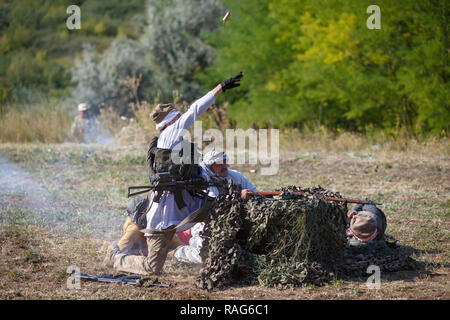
(285, 241)
(281, 242)
(385, 254)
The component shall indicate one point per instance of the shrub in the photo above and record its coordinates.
(100, 78)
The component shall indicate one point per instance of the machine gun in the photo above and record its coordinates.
(124, 279)
(165, 182)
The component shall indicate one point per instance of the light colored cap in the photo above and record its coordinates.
(83, 107)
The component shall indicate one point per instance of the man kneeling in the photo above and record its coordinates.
(170, 210)
(133, 241)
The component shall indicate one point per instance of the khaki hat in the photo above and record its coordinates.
(363, 225)
(161, 111)
(83, 107)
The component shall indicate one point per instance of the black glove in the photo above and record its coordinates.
(232, 82)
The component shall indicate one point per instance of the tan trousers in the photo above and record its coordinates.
(132, 241)
(153, 263)
(139, 254)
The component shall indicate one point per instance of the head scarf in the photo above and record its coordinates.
(210, 158)
(167, 119)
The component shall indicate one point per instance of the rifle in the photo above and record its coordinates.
(166, 182)
(131, 279)
(299, 193)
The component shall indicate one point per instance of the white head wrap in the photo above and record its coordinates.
(167, 119)
(210, 158)
(214, 157)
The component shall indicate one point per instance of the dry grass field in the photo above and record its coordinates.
(62, 205)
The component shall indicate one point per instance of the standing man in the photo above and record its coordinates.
(168, 209)
(84, 127)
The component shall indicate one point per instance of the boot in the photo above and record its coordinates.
(110, 254)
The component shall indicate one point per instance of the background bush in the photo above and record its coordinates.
(312, 62)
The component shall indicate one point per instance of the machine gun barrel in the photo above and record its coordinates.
(168, 186)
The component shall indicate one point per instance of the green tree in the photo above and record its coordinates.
(317, 62)
(246, 42)
(99, 78)
(168, 54)
(175, 49)
(28, 27)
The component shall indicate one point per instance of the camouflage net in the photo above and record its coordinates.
(286, 241)
(387, 255)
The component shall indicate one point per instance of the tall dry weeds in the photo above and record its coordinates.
(47, 123)
(111, 121)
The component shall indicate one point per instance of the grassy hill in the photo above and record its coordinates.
(37, 49)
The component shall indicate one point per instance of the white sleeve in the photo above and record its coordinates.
(172, 135)
(213, 192)
(195, 110)
(246, 184)
(239, 178)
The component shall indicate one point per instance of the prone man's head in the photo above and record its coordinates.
(363, 226)
(164, 115)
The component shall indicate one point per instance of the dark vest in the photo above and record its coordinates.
(159, 160)
(160, 164)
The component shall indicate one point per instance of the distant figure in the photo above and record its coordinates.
(366, 223)
(84, 127)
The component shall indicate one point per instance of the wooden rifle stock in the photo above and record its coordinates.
(296, 193)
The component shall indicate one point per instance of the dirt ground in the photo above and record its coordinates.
(62, 205)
